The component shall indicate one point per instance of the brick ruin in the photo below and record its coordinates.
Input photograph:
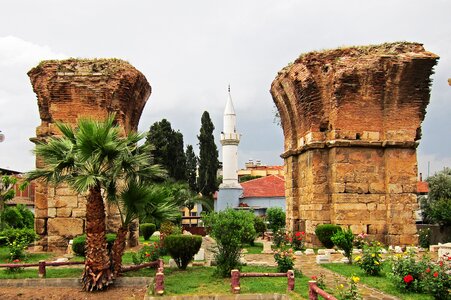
(67, 90)
(351, 120)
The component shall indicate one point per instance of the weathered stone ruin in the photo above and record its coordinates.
(67, 90)
(351, 120)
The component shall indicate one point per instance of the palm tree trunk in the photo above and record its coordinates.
(97, 274)
(118, 250)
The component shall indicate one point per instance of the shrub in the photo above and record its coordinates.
(259, 225)
(371, 259)
(182, 248)
(148, 253)
(17, 217)
(17, 248)
(26, 234)
(228, 228)
(325, 232)
(147, 229)
(297, 240)
(276, 218)
(424, 237)
(79, 243)
(279, 238)
(284, 259)
(352, 292)
(437, 279)
(406, 272)
(344, 240)
(360, 240)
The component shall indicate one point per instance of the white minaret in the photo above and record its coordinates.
(230, 190)
(229, 141)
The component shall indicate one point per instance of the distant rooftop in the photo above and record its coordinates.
(264, 187)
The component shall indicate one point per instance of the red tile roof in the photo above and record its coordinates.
(422, 187)
(268, 186)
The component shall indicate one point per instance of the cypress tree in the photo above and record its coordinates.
(191, 167)
(208, 158)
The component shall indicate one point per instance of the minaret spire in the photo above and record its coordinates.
(230, 140)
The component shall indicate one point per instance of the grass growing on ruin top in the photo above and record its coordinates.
(381, 282)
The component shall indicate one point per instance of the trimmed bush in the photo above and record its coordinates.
(325, 232)
(182, 248)
(147, 229)
(276, 218)
(79, 243)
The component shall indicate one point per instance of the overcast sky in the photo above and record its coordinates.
(191, 50)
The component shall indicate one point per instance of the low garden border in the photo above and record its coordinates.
(236, 275)
(314, 291)
(42, 265)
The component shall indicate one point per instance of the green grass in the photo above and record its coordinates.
(381, 282)
(51, 272)
(202, 281)
(152, 239)
(256, 249)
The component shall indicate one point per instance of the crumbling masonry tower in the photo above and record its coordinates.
(351, 120)
(66, 91)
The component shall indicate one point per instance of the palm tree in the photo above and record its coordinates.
(139, 199)
(92, 158)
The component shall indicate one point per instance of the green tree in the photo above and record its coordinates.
(436, 207)
(208, 158)
(191, 167)
(230, 228)
(276, 218)
(94, 159)
(168, 148)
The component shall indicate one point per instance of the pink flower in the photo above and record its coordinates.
(408, 278)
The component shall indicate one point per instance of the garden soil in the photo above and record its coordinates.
(56, 293)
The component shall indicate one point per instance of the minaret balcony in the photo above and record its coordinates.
(230, 138)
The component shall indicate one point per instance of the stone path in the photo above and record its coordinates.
(307, 264)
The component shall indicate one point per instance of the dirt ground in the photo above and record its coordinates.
(55, 293)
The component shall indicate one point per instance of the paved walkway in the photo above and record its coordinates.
(307, 264)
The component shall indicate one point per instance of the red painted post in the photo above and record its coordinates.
(290, 276)
(159, 283)
(235, 281)
(41, 269)
(312, 295)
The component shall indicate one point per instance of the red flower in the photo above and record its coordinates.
(16, 260)
(441, 264)
(297, 234)
(300, 238)
(147, 254)
(435, 274)
(408, 278)
(290, 239)
(314, 277)
(428, 270)
(302, 232)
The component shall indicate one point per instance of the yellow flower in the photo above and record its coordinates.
(355, 279)
(341, 286)
(357, 258)
(376, 262)
(373, 255)
(380, 255)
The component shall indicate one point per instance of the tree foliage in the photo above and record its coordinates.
(191, 167)
(230, 228)
(167, 148)
(436, 207)
(276, 218)
(208, 158)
